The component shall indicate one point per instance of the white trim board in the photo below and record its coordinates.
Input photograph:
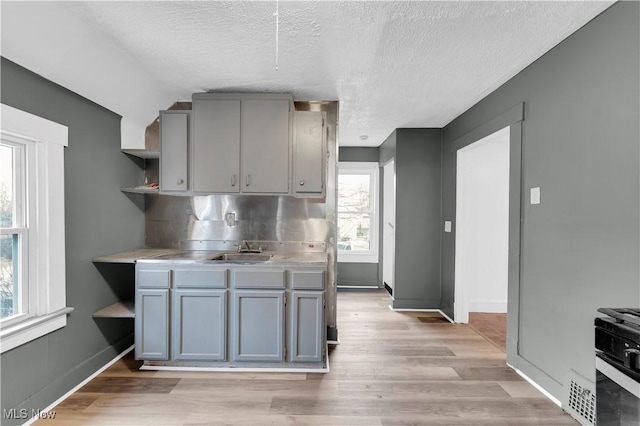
(422, 310)
(51, 406)
(33, 328)
(226, 369)
(360, 286)
(44, 141)
(36, 128)
(234, 369)
(537, 386)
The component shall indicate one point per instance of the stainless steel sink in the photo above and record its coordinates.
(243, 257)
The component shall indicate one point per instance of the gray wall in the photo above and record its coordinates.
(367, 154)
(417, 155)
(580, 246)
(99, 220)
(359, 274)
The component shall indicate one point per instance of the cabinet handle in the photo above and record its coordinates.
(248, 180)
(179, 181)
(234, 180)
(301, 183)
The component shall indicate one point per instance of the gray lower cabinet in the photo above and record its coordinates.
(230, 315)
(258, 325)
(152, 324)
(307, 326)
(199, 325)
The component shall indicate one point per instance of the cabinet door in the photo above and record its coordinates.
(152, 324)
(199, 325)
(265, 146)
(258, 325)
(216, 146)
(174, 145)
(307, 326)
(309, 157)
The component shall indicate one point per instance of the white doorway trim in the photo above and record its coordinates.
(468, 207)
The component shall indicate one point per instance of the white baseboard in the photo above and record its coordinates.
(537, 386)
(226, 369)
(359, 286)
(421, 310)
(81, 384)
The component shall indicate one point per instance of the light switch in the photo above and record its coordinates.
(535, 195)
(447, 226)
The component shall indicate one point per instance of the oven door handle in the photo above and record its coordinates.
(629, 384)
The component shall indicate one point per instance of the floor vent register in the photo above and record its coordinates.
(581, 400)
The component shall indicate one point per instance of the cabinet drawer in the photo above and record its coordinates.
(258, 278)
(153, 279)
(194, 278)
(307, 280)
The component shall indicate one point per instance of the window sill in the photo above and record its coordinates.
(32, 328)
(357, 258)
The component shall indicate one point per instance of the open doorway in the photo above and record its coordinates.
(388, 225)
(482, 229)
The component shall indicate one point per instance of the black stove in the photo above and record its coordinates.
(618, 367)
(618, 336)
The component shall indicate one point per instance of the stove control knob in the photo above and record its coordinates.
(632, 359)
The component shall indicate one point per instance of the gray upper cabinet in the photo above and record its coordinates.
(216, 145)
(174, 140)
(241, 143)
(265, 146)
(309, 153)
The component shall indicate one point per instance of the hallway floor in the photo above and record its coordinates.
(492, 327)
(391, 368)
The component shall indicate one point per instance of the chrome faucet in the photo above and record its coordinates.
(245, 247)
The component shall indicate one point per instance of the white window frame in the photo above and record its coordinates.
(373, 170)
(20, 225)
(45, 142)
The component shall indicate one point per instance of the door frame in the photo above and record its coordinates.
(514, 118)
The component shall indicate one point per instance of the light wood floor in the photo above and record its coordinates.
(492, 327)
(390, 368)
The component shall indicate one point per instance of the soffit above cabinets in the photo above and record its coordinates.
(389, 64)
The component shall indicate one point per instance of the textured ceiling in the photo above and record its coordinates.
(390, 64)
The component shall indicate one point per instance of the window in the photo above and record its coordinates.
(357, 212)
(32, 254)
(13, 232)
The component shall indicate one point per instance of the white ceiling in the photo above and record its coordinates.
(390, 64)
